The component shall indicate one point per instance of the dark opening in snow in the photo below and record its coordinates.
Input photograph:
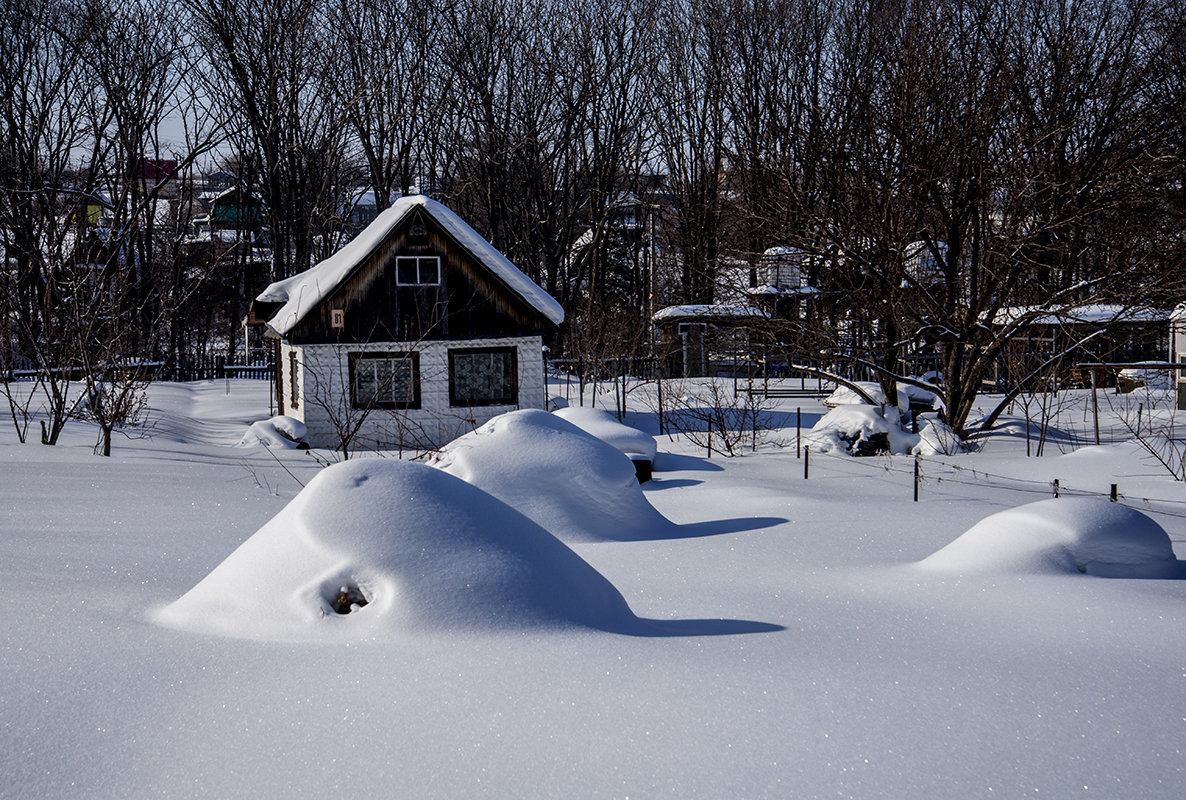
(348, 599)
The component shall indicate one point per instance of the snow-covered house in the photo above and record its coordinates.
(1177, 352)
(416, 331)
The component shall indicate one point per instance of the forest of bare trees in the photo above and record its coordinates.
(626, 154)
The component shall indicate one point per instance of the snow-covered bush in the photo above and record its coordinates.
(861, 430)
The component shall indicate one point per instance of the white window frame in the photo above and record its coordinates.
(422, 264)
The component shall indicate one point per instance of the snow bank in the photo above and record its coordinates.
(283, 432)
(605, 426)
(1063, 536)
(566, 480)
(936, 437)
(377, 548)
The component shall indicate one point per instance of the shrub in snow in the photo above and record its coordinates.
(1068, 535)
(570, 482)
(861, 430)
(380, 547)
(283, 432)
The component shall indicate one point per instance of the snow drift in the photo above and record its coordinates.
(602, 424)
(379, 547)
(1063, 536)
(283, 432)
(568, 481)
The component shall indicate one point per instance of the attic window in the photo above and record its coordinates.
(417, 271)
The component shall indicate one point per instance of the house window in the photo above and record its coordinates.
(483, 377)
(385, 380)
(417, 271)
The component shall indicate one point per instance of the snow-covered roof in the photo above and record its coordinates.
(1089, 314)
(301, 293)
(720, 311)
(785, 291)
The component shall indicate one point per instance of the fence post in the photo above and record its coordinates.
(1114, 493)
(806, 462)
(799, 432)
(1095, 406)
(1055, 484)
(916, 470)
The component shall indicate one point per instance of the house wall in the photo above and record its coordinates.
(325, 404)
(1177, 354)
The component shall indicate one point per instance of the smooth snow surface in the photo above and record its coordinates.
(863, 674)
(568, 481)
(1065, 535)
(603, 425)
(425, 550)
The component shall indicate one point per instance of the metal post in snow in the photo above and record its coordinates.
(806, 462)
(1055, 485)
(1114, 493)
(798, 432)
(916, 471)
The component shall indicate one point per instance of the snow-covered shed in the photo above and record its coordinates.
(417, 331)
(712, 339)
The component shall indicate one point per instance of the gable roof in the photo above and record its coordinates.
(301, 293)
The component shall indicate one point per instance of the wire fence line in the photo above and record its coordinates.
(980, 478)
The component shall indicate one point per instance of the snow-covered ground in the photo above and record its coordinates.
(765, 633)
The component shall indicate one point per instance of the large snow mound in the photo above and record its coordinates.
(1063, 536)
(602, 424)
(377, 548)
(565, 479)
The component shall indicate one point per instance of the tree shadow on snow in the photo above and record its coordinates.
(659, 628)
(716, 527)
(674, 462)
(659, 484)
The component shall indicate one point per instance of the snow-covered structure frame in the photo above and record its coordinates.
(417, 331)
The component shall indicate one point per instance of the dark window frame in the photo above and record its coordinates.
(409, 358)
(510, 398)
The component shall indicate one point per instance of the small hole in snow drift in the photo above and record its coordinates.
(348, 599)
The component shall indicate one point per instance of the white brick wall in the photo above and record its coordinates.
(325, 402)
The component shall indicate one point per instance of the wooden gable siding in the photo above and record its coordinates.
(469, 302)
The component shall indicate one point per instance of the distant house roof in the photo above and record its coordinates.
(301, 293)
(709, 312)
(1083, 315)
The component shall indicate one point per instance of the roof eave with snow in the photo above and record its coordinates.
(301, 293)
